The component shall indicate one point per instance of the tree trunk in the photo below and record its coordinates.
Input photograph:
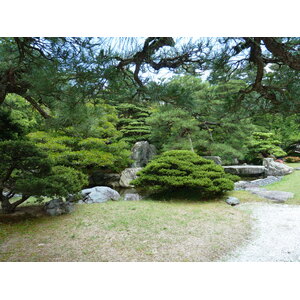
(191, 143)
(7, 207)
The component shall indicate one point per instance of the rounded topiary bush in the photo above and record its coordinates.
(181, 169)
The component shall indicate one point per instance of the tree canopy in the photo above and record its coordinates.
(45, 71)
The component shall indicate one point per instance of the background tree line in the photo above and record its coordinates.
(75, 105)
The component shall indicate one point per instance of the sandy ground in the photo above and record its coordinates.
(275, 237)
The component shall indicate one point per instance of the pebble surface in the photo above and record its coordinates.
(276, 234)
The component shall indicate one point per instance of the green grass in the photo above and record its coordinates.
(289, 183)
(128, 231)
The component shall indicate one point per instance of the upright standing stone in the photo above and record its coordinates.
(142, 152)
(127, 176)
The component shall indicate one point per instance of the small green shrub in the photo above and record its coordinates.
(182, 169)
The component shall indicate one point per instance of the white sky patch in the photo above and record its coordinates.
(268, 69)
(166, 74)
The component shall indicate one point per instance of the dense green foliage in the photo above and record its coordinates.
(182, 169)
(132, 122)
(204, 123)
(174, 128)
(264, 144)
(25, 169)
(86, 144)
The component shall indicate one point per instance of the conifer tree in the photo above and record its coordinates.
(132, 122)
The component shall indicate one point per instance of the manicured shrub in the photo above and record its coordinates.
(182, 169)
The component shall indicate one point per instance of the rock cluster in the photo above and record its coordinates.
(269, 168)
(216, 159)
(242, 185)
(254, 187)
(274, 168)
(57, 207)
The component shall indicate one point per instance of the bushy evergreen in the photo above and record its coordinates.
(132, 122)
(182, 169)
(90, 143)
(264, 144)
(27, 170)
(174, 129)
(203, 122)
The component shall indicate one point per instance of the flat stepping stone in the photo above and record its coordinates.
(276, 196)
(245, 170)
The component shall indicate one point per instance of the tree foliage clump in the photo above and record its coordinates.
(26, 170)
(177, 170)
(264, 144)
(90, 141)
(200, 117)
(82, 154)
(173, 128)
(132, 122)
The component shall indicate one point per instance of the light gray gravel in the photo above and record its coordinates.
(276, 234)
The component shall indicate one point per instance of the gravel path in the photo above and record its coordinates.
(276, 234)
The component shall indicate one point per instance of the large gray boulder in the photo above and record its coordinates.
(99, 194)
(245, 170)
(274, 168)
(127, 176)
(57, 207)
(142, 152)
(216, 159)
